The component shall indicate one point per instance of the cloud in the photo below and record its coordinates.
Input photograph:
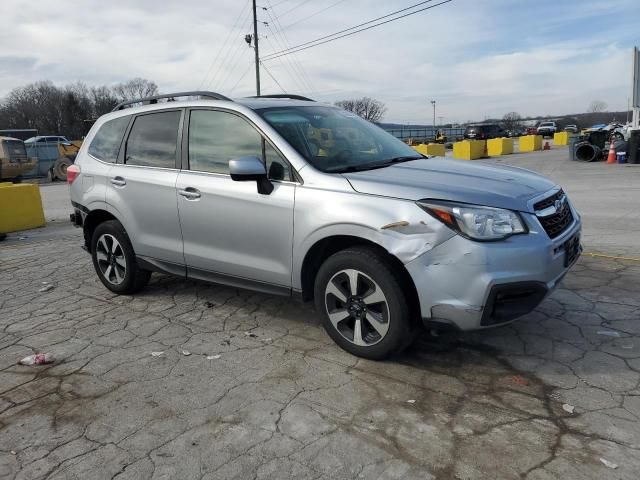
(476, 59)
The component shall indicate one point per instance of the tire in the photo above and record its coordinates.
(60, 168)
(385, 325)
(115, 261)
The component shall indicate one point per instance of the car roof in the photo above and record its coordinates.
(10, 138)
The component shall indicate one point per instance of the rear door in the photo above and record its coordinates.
(141, 187)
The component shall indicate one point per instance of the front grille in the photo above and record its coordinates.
(558, 222)
(548, 202)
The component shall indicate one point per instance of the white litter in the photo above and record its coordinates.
(609, 333)
(627, 347)
(157, 354)
(46, 288)
(250, 334)
(38, 359)
(186, 353)
(411, 401)
(13, 452)
(609, 464)
(267, 339)
(568, 408)
(213, 357)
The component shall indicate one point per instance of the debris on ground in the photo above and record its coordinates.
(627, 347)
(13, 452)
(213, 357)
(24, 237)
(520, 380)
(609, 333)
(411, 401)
(251, 334)
(568, 408)
(267, 339)
(225, 342)
(609, 464)
(157, 354)
(209, 304)
(186, 353)
(38, 359)
(46, 288)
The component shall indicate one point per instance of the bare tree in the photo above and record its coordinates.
(136, 88)
(511, 121)
(368, 108)
(597, 106)
(68, 110)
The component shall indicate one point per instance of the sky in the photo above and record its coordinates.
(476, 58)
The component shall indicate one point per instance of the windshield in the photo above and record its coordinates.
(334, 140)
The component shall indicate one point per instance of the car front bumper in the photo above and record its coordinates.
(470, 285)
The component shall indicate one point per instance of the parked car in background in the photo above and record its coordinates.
(47, 139)
(289, 196)
(13, 159)
(571, 128)
(484, 131)
(547, 129)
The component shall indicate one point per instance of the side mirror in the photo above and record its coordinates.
(246, 169)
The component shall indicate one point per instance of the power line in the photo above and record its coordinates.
(224, 44)
(312, 15)
(241, 77)
(292, 9)
(295, 65)
(230, 54)
(316, 42)
(272, 77)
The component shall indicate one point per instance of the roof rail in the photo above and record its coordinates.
(155, 98)
(284, 95)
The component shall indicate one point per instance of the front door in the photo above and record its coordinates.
(231, 232)
(141, 187)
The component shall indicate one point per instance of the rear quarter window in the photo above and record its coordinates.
(105, 145)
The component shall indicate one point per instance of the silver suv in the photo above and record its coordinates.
(289, 196)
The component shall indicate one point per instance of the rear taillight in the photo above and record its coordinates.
(72, 173)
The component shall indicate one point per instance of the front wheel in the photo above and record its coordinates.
(115, 261)
(364, 308)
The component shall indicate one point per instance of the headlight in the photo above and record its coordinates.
(475, 222)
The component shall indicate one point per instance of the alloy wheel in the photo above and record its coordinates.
(357, 307)
(111, 259)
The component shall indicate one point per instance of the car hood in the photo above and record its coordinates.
(455, 180)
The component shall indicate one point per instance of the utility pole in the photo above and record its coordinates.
(433, 102)
(255, 47)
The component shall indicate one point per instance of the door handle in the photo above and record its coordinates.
(190, 193)
(118, 181)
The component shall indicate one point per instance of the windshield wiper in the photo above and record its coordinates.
(403, 159)
(372, 166)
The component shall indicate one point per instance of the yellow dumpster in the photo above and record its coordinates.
(434, 149)
(499, 146)
(530, 143)
(469, 149)
(561, 138)
(20, 207)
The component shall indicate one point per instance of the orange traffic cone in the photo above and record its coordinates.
(547, 146)
(612, 153)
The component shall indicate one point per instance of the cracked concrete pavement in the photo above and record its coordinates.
(249, 385)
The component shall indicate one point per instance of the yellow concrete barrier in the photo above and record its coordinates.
(561, 138)
(469, 149)
(20, 207)
(499, 146)
(435, 149)
(530, 143)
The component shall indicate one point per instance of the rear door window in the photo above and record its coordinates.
(153, 140)
(105, 145)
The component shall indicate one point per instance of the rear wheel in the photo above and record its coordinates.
(114, 259)
(364, 308)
